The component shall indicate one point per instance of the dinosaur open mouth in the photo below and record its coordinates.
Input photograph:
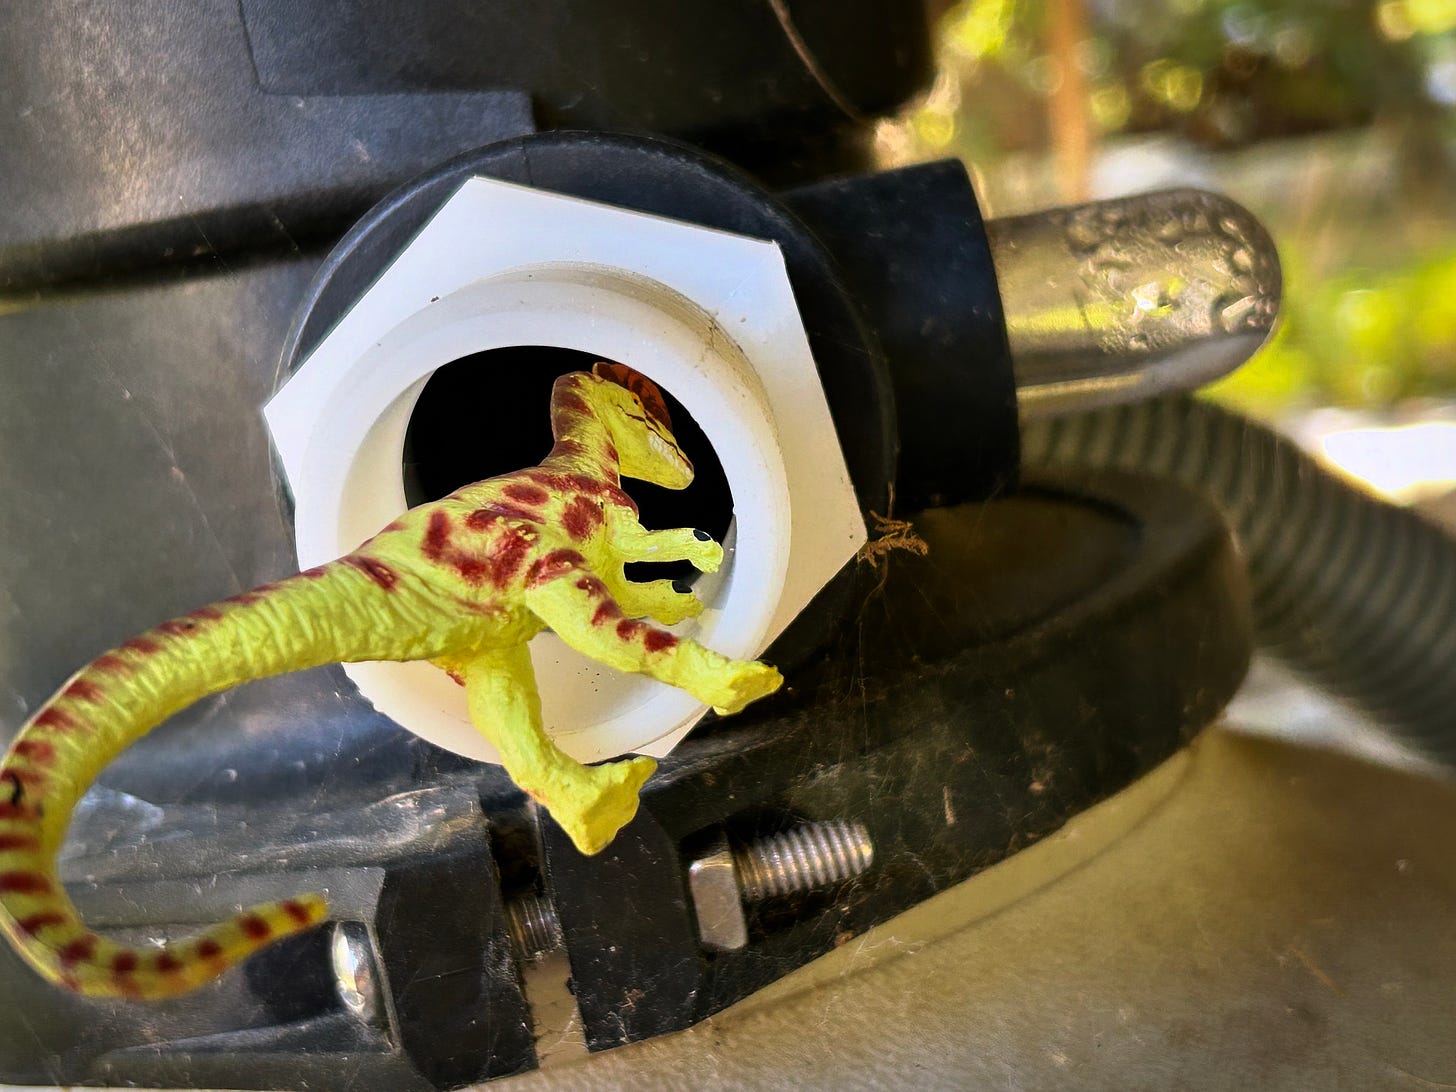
(486, 414)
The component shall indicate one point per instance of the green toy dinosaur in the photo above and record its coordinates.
(464, 582)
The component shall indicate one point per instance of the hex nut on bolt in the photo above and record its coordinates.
(721, 880)
(717, 898)
(803, 858)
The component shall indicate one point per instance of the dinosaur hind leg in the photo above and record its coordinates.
(591, 803)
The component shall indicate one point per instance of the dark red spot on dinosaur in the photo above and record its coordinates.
(581, 518)
(35, 750)
(607, 611)
(472, 570)
(81, 948)
(254, 927)
(437, 535)
(564, 557)
(506, 557)
(245, 599)
(561, 483)
(658, 640)
(207, 614)
(629, 628)
(318, 572)
(375, 570)
(30, 779)
(124, 962)
(178, 627)
(297, 911)
(82, 690)
(592, 586)
(567, 448)
(111, 664)
(58, 719)
(526, 493)
(34, 923)
(487, 514)
(584, 484)
(554, 565)
(18, 841)
(209, 949)
(142, 646)
(167, 963)
(25, 883)
(569, 401)
(14, 811)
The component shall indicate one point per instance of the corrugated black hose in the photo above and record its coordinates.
(1354, 593)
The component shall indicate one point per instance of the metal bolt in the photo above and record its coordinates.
(534, 925)
(721, 880)
(356, 977)
(801, 859)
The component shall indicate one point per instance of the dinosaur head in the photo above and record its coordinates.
(635, 415)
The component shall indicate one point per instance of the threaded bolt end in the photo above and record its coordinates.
(801, 859)
(534, 925)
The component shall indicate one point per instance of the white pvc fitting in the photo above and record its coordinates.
(701, 313)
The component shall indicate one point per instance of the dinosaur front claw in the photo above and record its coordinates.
(749, 681)
(682, 606)
(665, 601)
(705, 556)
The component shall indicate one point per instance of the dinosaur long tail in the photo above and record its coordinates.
(347, 610)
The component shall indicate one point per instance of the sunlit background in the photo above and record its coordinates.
(1334, 122)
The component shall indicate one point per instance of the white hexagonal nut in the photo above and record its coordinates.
(708, 315)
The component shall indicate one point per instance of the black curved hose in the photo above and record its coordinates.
(1355, 593)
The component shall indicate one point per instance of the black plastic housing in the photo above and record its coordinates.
(911, 247)
(152, 133)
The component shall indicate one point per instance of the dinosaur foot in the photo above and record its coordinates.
(600, 801)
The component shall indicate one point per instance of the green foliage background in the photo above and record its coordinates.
(1334, 121)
